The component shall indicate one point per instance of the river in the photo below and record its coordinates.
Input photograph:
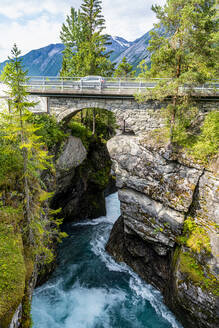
(89, 289)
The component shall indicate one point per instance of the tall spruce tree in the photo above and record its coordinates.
(24, 209)
(85, 44)
(18, 136)
(73, 34)
(183, 50)
(91, 12)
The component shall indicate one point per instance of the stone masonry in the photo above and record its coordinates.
(135, 117)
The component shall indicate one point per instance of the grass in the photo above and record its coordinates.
(196, 239)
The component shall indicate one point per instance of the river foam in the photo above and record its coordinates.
(90, 290)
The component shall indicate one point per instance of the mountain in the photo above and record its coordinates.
(47, 61)
(137, 51)
(118, 46)
(44, 61)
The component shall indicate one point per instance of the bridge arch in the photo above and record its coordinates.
(68, 113)
(128, 112)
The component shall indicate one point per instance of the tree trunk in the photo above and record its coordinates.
(108, 124)
(82, 117)
(178, 70)
(27, 212)
(86, 118)
(173, 118)
(123, 126)
(94, 121)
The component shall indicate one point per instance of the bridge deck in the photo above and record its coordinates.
(111, 88)
(119, 94)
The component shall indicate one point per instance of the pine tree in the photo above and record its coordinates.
(85, 45)
(91, 12)
(73, 34)
(124, 69)
(24, 208)
(183, 50)
(18, 136)
(14, 77)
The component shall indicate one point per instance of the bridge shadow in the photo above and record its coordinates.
(99, 121)
(82, 190)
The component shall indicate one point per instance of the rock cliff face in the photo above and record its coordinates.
(167, 229)
(82, 176)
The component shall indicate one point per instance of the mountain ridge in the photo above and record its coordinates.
(47, 61)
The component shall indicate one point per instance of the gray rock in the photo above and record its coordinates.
(207, 212)
(151, 220)
(158, 189)
(15, 322)
(147, 171)
(73, 155)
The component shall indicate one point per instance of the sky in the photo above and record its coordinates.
(33, 24)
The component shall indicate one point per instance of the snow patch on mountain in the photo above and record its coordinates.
(53, 52)
(137, 51)
(121, 41)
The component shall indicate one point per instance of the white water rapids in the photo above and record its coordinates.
(90, 290)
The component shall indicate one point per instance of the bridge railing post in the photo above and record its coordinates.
(44, 84)
(62, 85)
(119, 85)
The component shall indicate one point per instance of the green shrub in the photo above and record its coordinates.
(202, 144)
(49, 129)
(10, 164)
(80, 131)
(105, 122)
(207, 143)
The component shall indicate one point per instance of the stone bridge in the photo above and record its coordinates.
(130, 115)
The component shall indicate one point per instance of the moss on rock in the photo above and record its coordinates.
(12, 270)
(195, 237)
(198, 274)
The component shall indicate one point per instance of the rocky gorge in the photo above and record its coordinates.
(167, 231)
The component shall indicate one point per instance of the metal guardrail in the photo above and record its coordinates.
(38, 84)
(43, 84)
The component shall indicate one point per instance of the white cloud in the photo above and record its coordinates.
(36, 23)
(35, 34)
(15, 9)
(129, 19)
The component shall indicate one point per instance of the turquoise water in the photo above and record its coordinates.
(90, 290)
